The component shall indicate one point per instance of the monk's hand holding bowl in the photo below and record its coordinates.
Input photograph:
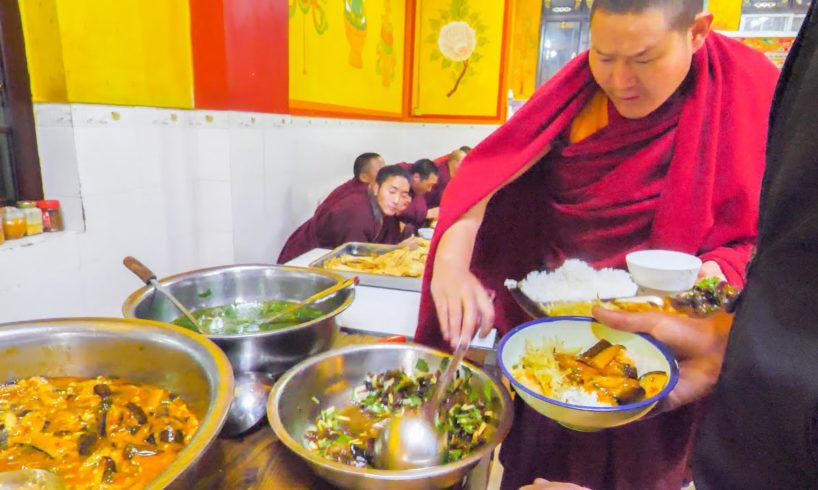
(699, 345)
(711, 268)
(542, 484)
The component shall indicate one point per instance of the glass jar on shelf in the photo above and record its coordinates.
(14, 223)
(34, 217)
(52, 215)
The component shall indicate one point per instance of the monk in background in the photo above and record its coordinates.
(364, 171)
(655, 138)
(448, 167)
(369, 217)
(425, 176)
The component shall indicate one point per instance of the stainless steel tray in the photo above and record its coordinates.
(359, 249)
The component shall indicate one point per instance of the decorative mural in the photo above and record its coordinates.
(355, 28)
(357, 65)
(313, 9)
(458, 57)
(524, 48)
(385, 66)
(338, 58)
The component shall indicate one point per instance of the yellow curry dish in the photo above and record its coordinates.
(95, 433)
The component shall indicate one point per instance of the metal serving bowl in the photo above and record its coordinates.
(264, 352)
(330, 377)
(140, 351)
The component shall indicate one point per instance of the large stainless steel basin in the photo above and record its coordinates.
(171, 357)
(273, 352)
(330, 378)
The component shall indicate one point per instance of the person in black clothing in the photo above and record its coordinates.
(761, 366)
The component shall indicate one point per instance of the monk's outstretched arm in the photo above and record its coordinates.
(462, 303)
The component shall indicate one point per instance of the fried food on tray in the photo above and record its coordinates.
(402, 262)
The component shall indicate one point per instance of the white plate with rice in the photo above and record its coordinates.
(571, 289)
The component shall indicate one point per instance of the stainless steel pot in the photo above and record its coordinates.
(171, 357)
(330, 378)
(264, 352)
(257, 358)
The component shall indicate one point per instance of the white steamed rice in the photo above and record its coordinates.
(577, 396)
(577, 281)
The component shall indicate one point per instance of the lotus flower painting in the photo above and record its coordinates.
(459, 34)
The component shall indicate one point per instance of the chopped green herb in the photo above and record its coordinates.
(422, 366)
(206, 294)
(444, 363)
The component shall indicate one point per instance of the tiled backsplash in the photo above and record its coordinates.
(183, 190)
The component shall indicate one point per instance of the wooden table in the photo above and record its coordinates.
(260, 461)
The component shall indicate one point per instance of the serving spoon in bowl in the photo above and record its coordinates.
(412, 441)
(149, 278)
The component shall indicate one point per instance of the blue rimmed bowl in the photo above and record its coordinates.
(580, 333)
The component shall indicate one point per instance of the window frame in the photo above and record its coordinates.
(25, 161)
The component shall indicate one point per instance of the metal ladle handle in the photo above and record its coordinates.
(148, 277)
(140, 269)
(446, 377)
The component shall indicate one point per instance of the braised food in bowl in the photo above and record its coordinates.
(334, 379)
(92, 400)
(92, 432)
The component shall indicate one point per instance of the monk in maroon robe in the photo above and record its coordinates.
(424, 174)
(369, 217)
(655, 138)
(447, 166)
(364, 171)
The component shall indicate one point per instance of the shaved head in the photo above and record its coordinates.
(680, 14)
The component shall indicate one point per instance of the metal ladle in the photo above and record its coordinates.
(412, 441)
(149, 278)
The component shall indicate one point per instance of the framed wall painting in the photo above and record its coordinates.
(458, 60)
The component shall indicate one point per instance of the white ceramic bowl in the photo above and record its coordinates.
(663, 270)
(581, 333)
(426, 233)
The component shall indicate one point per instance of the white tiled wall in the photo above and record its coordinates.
(183, 190)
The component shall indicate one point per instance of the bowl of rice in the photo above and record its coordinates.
(639, 371)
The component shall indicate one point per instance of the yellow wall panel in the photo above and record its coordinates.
(524, 48)
(458, 51)
(128, 52)
(726, 14)
(44, 50)
(347, 54)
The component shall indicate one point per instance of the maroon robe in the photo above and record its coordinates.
(686, 177)
(415, 213)
(433, 198)
(353, 218)
(351, 186)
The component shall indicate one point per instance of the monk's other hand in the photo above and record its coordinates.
(411, 243)
(542, 484)
(711, 268)
(433, 213)
(698, 343)
(462, 303)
